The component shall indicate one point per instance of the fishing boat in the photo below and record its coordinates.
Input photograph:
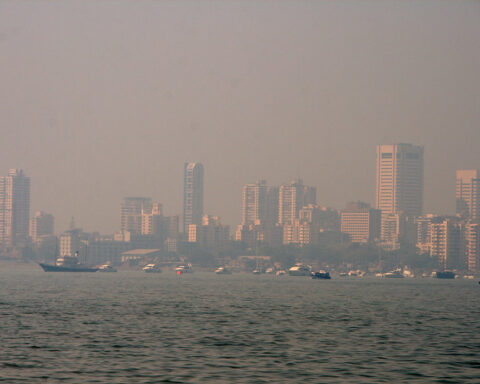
(68, 264)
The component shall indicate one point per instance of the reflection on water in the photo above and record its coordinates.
(135, 327)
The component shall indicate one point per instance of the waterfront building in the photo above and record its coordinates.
(14, 208)
(446, 242)
(192, 195)
(468, 194)
(42, 224)
(210, 233)
(360, 222)
(254, 203)
(291, 198)
(399, 188)
(472, 246)
(131, 213)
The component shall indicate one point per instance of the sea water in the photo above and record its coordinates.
(133, 327)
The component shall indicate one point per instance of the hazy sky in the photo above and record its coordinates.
(105, 99)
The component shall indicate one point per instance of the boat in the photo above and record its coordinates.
(258, 271)
(151, 268)
(106, 268)
(280, 272)
(181, 269)
(322, 275)
(445, 275)
(300, 269)
(223, 271)
(395, 274)
(68, 264)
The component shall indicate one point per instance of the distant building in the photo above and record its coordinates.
(472, 246)
(399, 191)
(192, 195)
(254, 203)
(291, 198)
(210, 234)
(42, 224)
(131, 213)
(14, 208)
(360, 222)
(424, 233)
(446, 242)
(468, 194)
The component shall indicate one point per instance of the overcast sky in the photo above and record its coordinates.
(105, 99)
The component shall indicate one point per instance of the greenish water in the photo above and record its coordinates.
(131, 327)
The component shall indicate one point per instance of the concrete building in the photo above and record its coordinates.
(254, 203)
(42, 224)
(424, 234)
(291, 198)
(446, 242)
(14, 208)
(131, 213)
(360, 222)
(210, 233)
(468, 194)
(399, 189)
(472, 246)
(192, 195)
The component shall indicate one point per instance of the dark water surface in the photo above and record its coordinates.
(131, 327)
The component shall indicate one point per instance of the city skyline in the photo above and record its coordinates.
(193, 82)
(254, 199)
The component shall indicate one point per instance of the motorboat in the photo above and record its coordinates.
(106, 268)
(395, 274)
(281, 272)
(321, 275)
(223, 271)
(152, 268)
(299, 269)
(182, 269)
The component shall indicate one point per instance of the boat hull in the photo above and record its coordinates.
(61, 268)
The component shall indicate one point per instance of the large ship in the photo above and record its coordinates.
(68, 264)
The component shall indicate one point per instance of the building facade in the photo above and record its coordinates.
(14, 208)
(254, 203)
(399, 186)
(291, 198)
(360, 222)
(468, 194)
(131, 213)
(192, 195)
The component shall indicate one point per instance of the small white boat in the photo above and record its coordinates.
(181, 269)
(395, 274)
(300, 270)
(151, 268)
(281, 272)
(223, 271)
(106, 268)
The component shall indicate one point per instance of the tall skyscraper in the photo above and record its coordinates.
(468, 194)
(254, 203)
(291, 198)
(192, 195)
(14, 207)
(399, 191)
(131, 213)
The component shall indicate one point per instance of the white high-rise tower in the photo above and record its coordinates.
(399, 192)
(192, 195)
